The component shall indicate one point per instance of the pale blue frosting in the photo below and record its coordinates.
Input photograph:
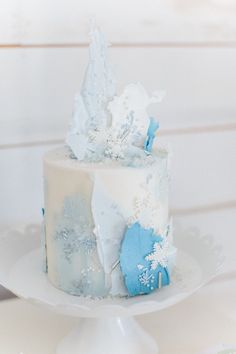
(76, 250)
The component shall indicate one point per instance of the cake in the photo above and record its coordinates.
(107, 230)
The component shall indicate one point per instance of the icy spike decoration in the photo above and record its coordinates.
(98, 86)
(151, 134)
(80, 117)
(132, 103)
(77, 135)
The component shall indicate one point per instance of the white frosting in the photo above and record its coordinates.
(109, 220)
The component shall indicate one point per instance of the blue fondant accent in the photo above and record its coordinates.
(151, 133)
(138, 275)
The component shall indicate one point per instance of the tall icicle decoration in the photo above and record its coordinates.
(77, 134)
(99, 86)
(90, 116)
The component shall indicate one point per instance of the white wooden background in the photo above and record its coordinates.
(187, 47)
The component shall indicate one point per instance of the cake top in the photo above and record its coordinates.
(106, 125)
(62, 157)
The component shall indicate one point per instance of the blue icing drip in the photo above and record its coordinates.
(139, 276)
(151, 133)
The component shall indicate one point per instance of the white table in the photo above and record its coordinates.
(205, 320)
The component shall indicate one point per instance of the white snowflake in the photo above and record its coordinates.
(114, 148)
(159, 255)
(97, 136)
(146, 279)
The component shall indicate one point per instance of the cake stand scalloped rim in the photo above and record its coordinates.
(19, 242)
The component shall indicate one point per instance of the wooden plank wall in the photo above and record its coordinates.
(186, 47)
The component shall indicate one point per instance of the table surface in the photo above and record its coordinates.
(205, 320)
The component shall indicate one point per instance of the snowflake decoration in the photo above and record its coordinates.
(74, 230)
(147, 279)
(159, 255)
(72, 243)
(110, 142)
(114, 147)
(118, 141)
(96, 136)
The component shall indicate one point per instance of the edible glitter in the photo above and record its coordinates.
(74, 230)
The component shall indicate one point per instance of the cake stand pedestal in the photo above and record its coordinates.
(116, 335)
(108, 325)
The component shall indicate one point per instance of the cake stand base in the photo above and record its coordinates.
(116, 335)
(108, 326)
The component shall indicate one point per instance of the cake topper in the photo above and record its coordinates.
(106, 125)
(99, 84)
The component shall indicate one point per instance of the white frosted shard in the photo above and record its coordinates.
(99, 85)
(80, 118)
(130, 108)
(76, 138)
(78, 144)
(109, 230)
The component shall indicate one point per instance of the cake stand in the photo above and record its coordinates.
(108, 325)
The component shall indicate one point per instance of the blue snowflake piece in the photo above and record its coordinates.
(136, 265)
(151, 134)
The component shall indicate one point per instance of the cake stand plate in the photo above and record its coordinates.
(108, 325)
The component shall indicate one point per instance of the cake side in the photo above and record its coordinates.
(88, 209)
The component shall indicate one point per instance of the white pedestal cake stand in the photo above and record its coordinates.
(108, 325)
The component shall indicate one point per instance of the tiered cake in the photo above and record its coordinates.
(107, 229)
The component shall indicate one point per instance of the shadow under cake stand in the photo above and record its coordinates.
(108, 325)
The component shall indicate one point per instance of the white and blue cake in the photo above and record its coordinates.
(107, 230)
